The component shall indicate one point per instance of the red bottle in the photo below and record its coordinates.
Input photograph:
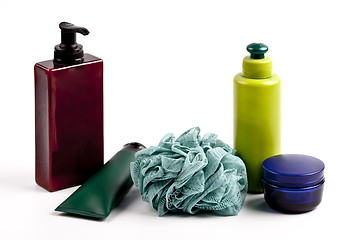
(68, 114)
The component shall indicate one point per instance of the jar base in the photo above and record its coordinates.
(293, 200)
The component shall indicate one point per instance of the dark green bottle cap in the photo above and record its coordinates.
(257, 50)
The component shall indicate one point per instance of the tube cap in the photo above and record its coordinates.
(134, 146)
(293, 170)
(257, 65)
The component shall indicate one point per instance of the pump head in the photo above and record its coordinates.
(69, 51)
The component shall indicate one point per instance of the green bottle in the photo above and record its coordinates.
(257, 93)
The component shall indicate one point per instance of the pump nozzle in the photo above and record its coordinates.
(71, 28)
(68, 51)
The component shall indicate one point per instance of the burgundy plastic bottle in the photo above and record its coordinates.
(68, 114)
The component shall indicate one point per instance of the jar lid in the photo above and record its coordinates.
(293, 170)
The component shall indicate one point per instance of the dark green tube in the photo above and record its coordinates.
(105, 189)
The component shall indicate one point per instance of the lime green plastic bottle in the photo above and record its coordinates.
(257, 93)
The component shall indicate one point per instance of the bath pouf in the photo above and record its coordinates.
(191, 174)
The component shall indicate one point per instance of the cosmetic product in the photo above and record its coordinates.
(68, 114)
(256, 113)
(293, 182)
(190, 175)
(106, 188)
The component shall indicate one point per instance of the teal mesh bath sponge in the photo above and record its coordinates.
(191, 174)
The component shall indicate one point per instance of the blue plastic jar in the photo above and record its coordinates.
(293, 183)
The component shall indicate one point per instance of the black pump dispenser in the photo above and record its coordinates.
(69, 52)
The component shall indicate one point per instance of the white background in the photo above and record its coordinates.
(168, 67)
